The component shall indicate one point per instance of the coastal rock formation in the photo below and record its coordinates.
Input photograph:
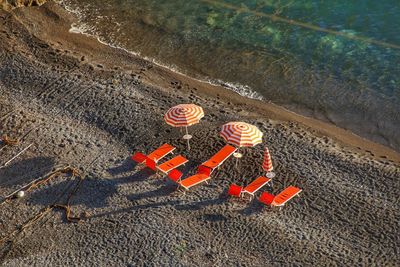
(10, 4)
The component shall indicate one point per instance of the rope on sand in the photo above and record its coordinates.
(7, 242)
(41, 181)
(8, 141)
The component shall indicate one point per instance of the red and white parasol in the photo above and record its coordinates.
(184, 115)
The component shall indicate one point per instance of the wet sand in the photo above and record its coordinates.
(87, 105)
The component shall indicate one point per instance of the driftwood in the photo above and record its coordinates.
(10, 240)
(21, 152)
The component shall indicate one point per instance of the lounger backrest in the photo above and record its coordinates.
(257, 184)
(139, 157)
(151, 164)
(204, 170)
(178, 160)
(172, 163)
(161, 152)
(235, 190)
(220, 156)
(285, 196)
(266, 198)
(175, 175)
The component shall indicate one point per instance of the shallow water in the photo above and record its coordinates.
(337, 60)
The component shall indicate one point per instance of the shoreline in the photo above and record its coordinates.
(90, 107)
(364, 111)
(154, 77)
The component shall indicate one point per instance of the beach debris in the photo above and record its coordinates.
(8, 141)
(267, 164)
(184, 115)
(9, 240)
(16, 156)
(73, 172)
(241, 134)
(20, 194)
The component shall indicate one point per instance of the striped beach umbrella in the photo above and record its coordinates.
(267, 163)
(241, 134)
(184, 115)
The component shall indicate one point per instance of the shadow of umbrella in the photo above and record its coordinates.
(162, 191)
(137, 207)
(127, 165)
(24, 171)
(197, 205)
(254, 207)
(211, 217)
(93, 192)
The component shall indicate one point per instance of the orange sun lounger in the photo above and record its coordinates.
(202, 175)
(194, 180)
(256, 185)
(252, 188)
(156, 155)
(171, 164)
(216, 160)
(280, 199)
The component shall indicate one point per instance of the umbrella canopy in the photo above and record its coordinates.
(184, 115)
(241, 134)
(267, 163)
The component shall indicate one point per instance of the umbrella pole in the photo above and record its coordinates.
(237, 159)
(187, 134)
(271, 184)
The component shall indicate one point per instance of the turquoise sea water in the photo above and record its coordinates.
(337, 60)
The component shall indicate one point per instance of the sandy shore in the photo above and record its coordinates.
(83, 104)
